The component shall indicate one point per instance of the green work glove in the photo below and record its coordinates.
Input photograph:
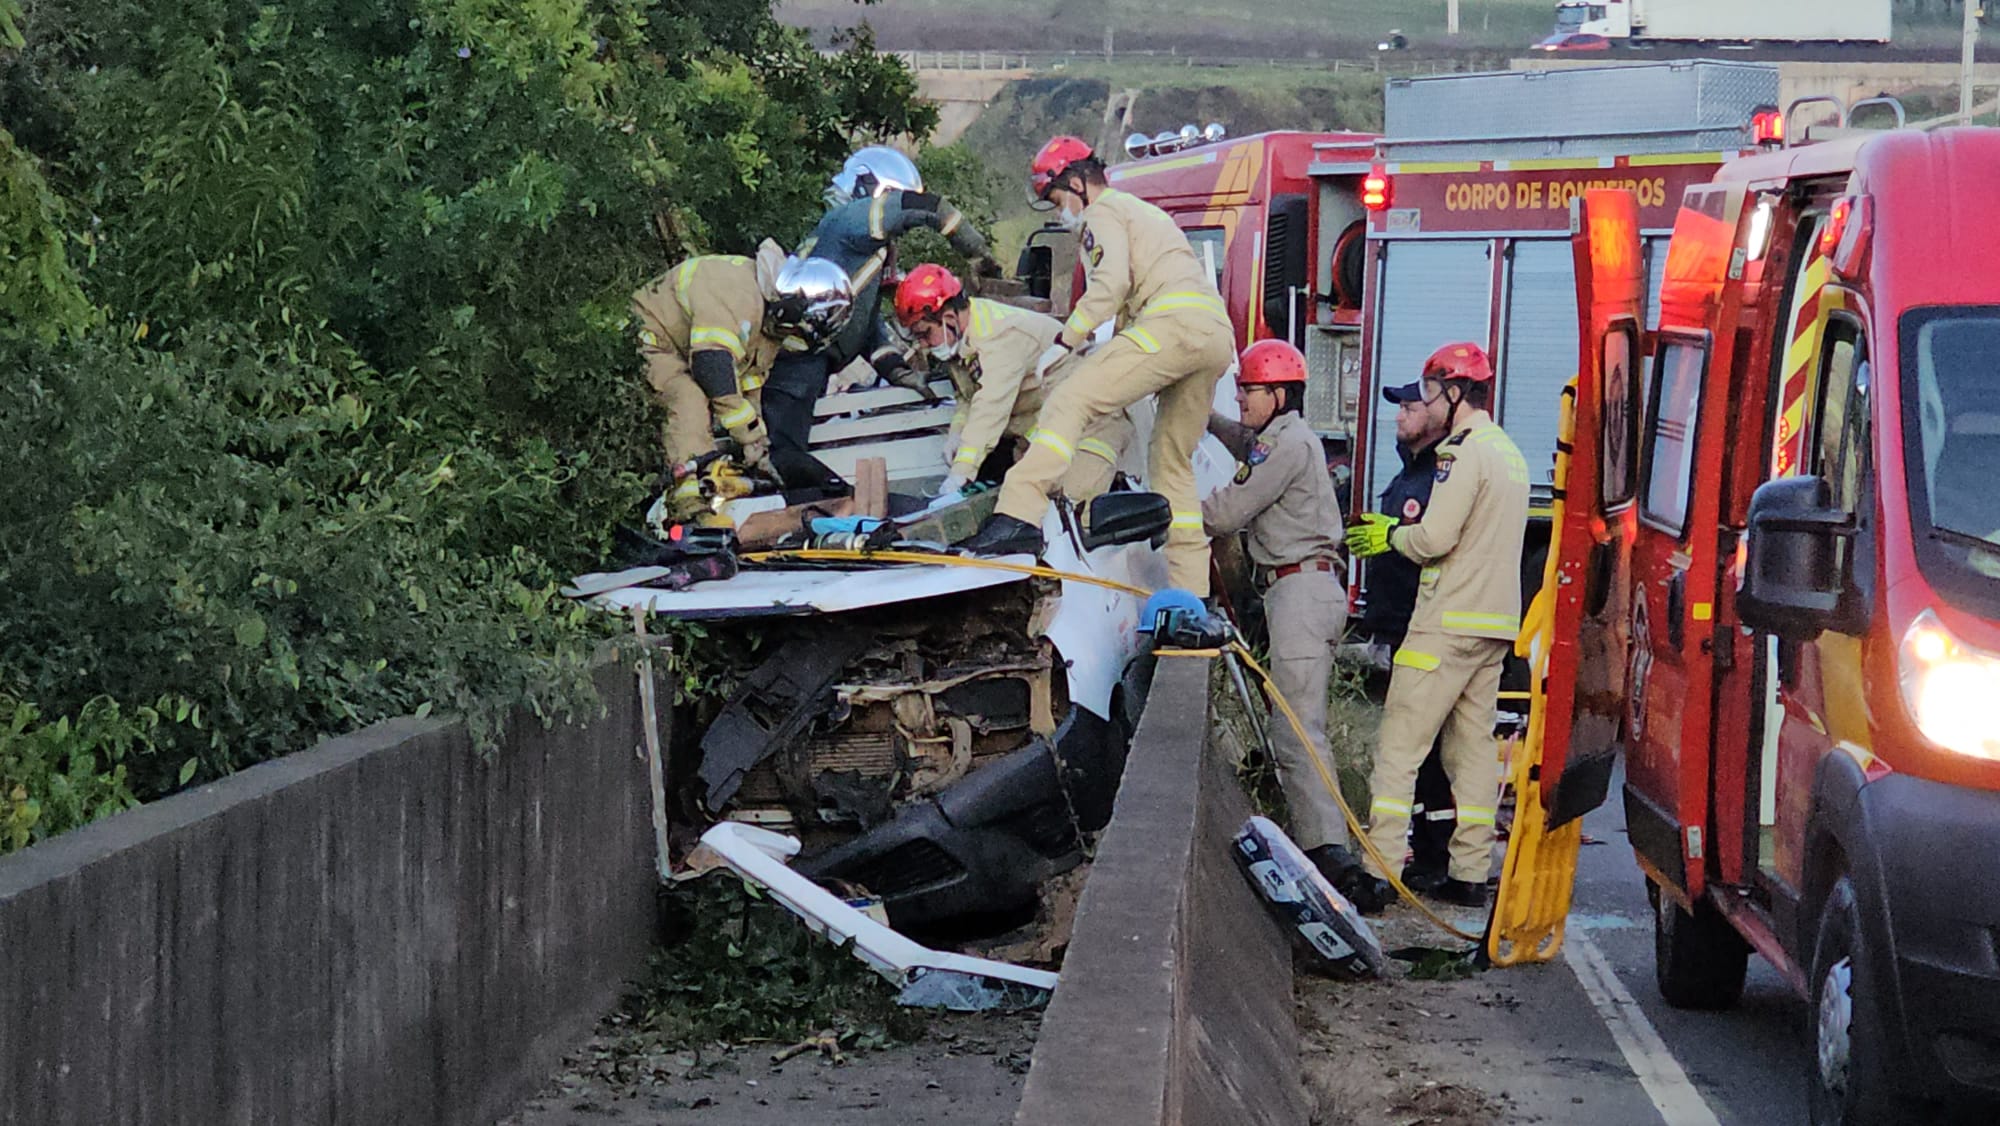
(1371, 536)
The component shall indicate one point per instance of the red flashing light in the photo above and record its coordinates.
(1767, 127)
(1376, 189)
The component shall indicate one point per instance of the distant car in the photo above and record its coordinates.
(1574, 41)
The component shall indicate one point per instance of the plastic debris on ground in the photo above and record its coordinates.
(1325, 924)
(928, 978)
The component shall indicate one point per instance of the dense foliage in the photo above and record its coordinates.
(320, 377)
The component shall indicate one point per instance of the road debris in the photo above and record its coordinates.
(1325, 924)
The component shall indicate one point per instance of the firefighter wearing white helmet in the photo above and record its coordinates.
(875, 198)
(709, 331)
(1173, 342)
(1283, 497)
(1446, 675)
(988, 350)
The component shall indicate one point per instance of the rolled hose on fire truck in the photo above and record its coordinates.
(1232, 647)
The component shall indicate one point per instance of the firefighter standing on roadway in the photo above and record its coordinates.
(1284, 497)
(1447, 672)
(1173, 342)
(988, 349)
(1393, 582)
(709, 330)
(877, 196)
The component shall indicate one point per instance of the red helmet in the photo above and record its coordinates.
(1270, 361)
(1463, 360)
(924, 292)
(1050, 164)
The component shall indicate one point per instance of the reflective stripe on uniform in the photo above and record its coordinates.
(1440, 815)
(708, 336)
(967, 456)
(1186, 520)
(750, 380)
(741, 416)
(1475, 815)
(1466, 619)
(1188, 299)
(952, 224)
(1413, 659)
(1389, 805)
(1079, 323)
(1099, 447)
(1053, 441)
(875, 218)
(868, 270)
(1146, 341)
(1429, 574)
(688, 488)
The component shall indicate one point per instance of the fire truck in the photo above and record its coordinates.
(1776, 598)
(1370, 251)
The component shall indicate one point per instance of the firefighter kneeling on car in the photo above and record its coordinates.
(1446, 675)
(1283, 496)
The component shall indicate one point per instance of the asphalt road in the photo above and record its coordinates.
(1747, 1065)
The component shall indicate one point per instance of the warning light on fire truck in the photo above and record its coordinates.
(1376, 189)
(1767, 127)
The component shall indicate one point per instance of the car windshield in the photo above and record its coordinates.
(1951, 405)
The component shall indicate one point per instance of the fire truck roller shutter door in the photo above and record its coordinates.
(1538, 352)
(1433, 292)
(1656, 274)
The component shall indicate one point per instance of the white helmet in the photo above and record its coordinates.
(872, 171)
(811, 302)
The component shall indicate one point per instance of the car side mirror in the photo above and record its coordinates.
(1794, 585)
(1121, 518)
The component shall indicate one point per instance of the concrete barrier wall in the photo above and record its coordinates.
(386, 928)
(1176, 997)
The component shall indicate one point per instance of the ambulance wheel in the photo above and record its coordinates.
(1847, 1080)
(1699, 960)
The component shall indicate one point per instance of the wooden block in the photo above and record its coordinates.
(871, 487)
(956, 523)
(764, 529)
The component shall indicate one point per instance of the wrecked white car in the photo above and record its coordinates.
(942, 736)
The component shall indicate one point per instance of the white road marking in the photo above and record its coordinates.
(1645, 1052)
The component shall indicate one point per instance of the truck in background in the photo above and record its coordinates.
(1638, 22)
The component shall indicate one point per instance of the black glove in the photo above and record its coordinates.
(909, 378)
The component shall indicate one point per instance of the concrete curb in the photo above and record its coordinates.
(1176, 997)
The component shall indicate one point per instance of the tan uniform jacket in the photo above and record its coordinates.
(995, 365)
(709, 303)
(1469, 541)
(1283, 494)
(1136, 263)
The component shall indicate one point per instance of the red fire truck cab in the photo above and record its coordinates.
(1779, 597)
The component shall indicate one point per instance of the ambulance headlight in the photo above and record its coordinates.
(1950, 689)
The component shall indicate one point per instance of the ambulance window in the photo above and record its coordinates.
(1618, 449)
(1676, 400)
(1208, 246)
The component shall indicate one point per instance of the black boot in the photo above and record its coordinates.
(1004, 535)
(1423, 878)
(1333, 861)
(1460, 893)
(1371, 895)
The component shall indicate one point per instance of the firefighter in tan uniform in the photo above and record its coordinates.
(989, 350)
(709, 330)
(1446, 675)
(1284, 497)
(1173, 342)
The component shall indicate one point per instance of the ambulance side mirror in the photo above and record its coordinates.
(1121, 518)
(1794, 581)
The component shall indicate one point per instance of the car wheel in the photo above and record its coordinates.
(1699, 961)
(1847, 1075)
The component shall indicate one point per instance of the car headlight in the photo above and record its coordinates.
(1950, 688)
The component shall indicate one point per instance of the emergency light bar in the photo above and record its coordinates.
(1767, 127)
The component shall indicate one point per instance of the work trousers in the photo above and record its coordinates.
(1177, 356)
(1307, 612)
(691, 418)
(1450, 684)
(1097, 452)
(797, 381)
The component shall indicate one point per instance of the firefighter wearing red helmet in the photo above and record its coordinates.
(1446, 675)
(1283, 498)
(988, 350)
(1173, 342)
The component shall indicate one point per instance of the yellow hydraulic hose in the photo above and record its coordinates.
(1236, 647)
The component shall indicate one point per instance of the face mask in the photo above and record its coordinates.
(1069, 220)
(946, 350)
